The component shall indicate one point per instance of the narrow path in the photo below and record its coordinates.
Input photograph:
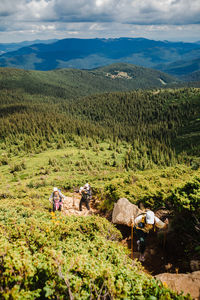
(71, 206)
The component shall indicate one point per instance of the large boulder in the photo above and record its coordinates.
(188, 283)
(123, 212)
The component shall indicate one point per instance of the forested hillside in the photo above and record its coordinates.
(64, 128)
(160, 124)
(159, 128)
(71, 83)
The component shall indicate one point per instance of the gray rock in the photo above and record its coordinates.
(123, 212)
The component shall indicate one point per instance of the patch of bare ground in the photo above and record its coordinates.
(71, 206)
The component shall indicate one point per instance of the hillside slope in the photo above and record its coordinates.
(46, 255)
(143, 145)
(182, 68)
(42, 107)
(66, 83)
(192, 77)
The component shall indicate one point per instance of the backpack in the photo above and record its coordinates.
(142, 224)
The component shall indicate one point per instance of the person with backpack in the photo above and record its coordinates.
(143, 224)
(86, 195)
(56, 199)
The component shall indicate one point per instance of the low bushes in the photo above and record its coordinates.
(49, 256)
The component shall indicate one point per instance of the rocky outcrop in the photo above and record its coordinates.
(123, 212)
(188, 283)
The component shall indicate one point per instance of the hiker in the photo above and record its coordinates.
(86, 194)
(143, 224)
(56, 198)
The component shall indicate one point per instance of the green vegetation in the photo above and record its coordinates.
(48, 256)
(46, 252)
(159, 125)
(73, 83)
(142, 145)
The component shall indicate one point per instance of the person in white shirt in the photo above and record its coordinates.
(143, 224)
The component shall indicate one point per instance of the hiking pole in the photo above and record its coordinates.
(132, 240)
(73, 197)
(165, 234)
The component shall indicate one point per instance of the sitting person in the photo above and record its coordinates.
(56, 198)
(85, 192)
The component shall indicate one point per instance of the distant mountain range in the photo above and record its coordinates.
(176, 58)
(8, 47)
(185, 69)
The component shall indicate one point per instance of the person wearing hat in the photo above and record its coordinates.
(56, 196)
(86, 194)
(143, 224)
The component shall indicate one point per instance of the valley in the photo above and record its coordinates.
(129, 136)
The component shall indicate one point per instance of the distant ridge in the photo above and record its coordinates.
(66, 83)
(182, 67)
(93, 53)
(9, 47)
(194, 76)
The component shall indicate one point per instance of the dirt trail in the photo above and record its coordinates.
(161, 258)
(71, 206)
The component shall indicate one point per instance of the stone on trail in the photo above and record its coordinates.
(188, 283)
(123, 212)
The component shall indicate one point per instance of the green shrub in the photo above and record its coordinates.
(17, 167)
(48, 256)
(4, 159)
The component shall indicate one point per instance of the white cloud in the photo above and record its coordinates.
(10, 7)
(99, 17)
(36, 8)
(129, 11)
(126, 11)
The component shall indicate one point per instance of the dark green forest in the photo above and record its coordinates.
(72, 83)
(161, 126)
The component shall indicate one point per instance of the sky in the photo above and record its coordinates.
(172, 20)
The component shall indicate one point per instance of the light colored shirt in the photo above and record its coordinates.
(147, 227)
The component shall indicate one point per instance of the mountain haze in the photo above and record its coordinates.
(182, 67)
(9, 47)
(192, 77)
(92, 53)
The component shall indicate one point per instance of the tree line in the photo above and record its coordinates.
(150, 121)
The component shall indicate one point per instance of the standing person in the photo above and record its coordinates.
(143, 224)
(56, 198)
(85, 192)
